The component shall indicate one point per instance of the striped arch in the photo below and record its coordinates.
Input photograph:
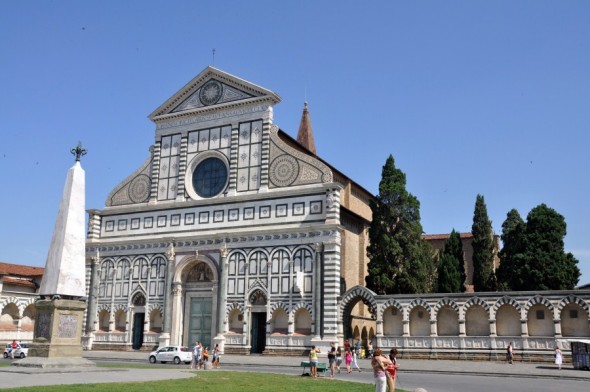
(446, 302)
(506, 301)
(351, 296)
(277, 305)
(253, 251)
(102, 307)
(279, 249)
(153, 307)
(420, 302)
(572, 299)
(537, 299)
(389, 303)
(28, 302)
(471, 302)
(118, 307)
(12, 300)
(300, 305)
(234, 305)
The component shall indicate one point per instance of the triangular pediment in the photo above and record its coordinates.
(213, 89)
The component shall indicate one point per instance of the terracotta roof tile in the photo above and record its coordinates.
(20, 270)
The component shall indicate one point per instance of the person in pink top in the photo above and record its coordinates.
(348, 360)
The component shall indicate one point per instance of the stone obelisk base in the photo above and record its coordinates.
(58, 335)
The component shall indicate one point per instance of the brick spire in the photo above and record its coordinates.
(305, 134)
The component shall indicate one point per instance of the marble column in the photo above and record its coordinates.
(165, 335)
(524, 328)
(93, 294)
(317, 292)
(222, 302)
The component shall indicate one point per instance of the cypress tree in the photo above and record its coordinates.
(483, 248)
(513, 232)
(451, 268)
(400, 261)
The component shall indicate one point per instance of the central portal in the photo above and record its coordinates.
(199, 328)
(258, 332)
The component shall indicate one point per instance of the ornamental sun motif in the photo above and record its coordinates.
(211, 93)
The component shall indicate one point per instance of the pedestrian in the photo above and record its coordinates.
(558, 357)
(313, 361)
(196, 355)
(205, 355)
(216, 355)
(346, 344)
(369, 349)
(348, 360)
(354, 363)
(379, 364)
(392, 369)
(14, 346)
(338, 358)
(357, 348)
(510, 353)
(332, 359)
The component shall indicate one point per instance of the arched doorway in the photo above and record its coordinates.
(358, 312)
(198, 282)
(258, 303)
(138, 302)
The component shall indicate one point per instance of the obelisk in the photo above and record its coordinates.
(61, 304)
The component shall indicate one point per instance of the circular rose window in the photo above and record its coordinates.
(210, 177)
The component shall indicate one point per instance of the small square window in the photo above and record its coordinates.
(573, 313)
(540, 314)
(393, 311)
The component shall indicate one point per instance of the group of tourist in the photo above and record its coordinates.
(510, 355)
(201, 356)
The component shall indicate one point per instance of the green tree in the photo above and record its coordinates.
(451, 268)
(483, 248)
(400, 261)
(544, 264)
(513, 232)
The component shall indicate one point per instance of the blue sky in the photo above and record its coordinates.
(469, 96)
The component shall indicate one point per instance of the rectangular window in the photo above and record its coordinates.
(573, 313)
(540, 314)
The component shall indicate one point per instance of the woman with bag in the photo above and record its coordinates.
(392, 369)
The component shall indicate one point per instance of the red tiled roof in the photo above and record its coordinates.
(19, 282)
(444, 236)
(20, 270)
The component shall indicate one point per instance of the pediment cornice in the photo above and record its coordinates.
(186, 103)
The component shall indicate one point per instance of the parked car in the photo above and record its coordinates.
(176, 354)
(20, 352)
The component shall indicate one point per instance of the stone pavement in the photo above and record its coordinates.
(8, 378)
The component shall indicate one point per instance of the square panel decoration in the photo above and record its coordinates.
(233, 214)
(162, 220)
(218, 216)
(189, 219)
(148, 222)
(264, 212)
(204, 217)
(175, 220)
(248, 213)
(109, 225)
(298, 209)
(315, 207)
(122, 224)
(281, 210)
(134, 223)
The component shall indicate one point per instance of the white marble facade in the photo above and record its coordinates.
(219, 234)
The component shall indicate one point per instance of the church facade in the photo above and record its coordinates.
(247, 226)
(233, 233)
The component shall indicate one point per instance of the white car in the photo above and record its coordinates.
(20, 352)
(176, 354)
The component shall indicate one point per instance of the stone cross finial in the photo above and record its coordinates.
(78, 151)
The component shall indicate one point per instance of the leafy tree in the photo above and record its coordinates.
(483, 248)
(451, 268)
(401, 262)
(513, 231)
(544, 264)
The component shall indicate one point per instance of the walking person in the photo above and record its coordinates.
(332, 359)
(392, 369)
(510, 353)
(338, 358)
(348, 360)
(196, 355)
(379, 364)
(216, 355)
(558, 357)
(354, 363)
(313, 361)
(14, 346)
